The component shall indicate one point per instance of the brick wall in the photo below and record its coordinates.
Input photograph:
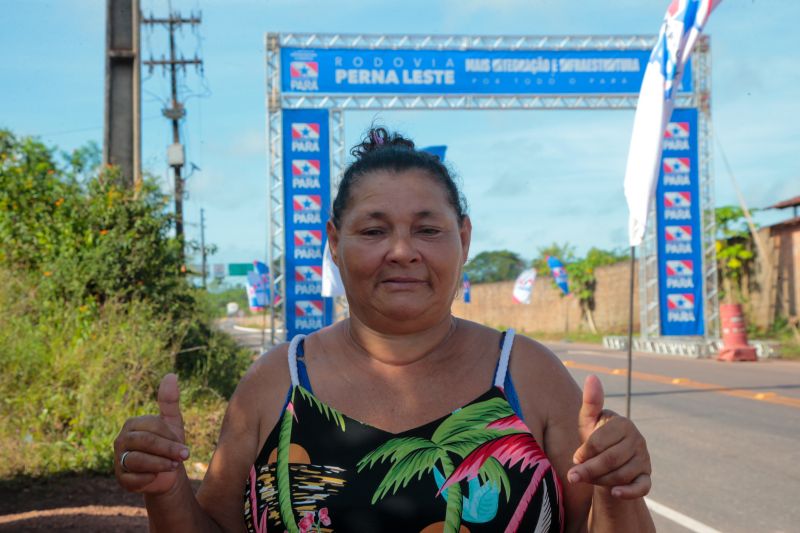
(549, 311)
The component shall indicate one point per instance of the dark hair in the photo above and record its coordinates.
(381, 150)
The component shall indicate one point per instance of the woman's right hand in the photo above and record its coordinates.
(149, 449)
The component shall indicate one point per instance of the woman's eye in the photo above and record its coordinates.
(430, 231)
(370, 232)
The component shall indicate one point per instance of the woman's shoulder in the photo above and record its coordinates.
(267, 379)
(531, 356)
(542, 382)
(270, 364)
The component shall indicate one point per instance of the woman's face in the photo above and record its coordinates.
(399, 249)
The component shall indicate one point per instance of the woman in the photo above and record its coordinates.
(402, 417)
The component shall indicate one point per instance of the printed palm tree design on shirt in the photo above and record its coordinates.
(284, 443)
(458, 434)
(513, 448)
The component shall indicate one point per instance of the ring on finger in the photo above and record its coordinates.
(122, 460)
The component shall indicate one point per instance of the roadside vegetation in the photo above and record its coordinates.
(738, 280)
(96, 309)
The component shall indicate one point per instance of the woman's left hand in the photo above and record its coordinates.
(613, 453)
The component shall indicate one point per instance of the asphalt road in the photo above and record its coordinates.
(724, 437)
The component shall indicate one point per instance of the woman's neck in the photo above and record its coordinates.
(401, 350)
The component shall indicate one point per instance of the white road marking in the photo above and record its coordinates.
(689, 523)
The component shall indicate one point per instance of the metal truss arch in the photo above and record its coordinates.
(462, 42)
(339, 103)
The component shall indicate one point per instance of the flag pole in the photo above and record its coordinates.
(264, 329)
(630, 335)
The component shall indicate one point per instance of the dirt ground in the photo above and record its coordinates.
(70, 503)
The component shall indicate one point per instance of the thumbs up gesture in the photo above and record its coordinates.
(613, 453)
(150, 449)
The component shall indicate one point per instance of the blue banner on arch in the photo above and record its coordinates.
(679, 227)
(307, 200)
(353, 71)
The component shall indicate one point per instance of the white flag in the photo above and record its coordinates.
(331, 279)
(523, 287)
(681, 27)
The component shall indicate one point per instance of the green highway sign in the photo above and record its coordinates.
(240, 269)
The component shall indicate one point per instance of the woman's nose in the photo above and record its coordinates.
(402, 249)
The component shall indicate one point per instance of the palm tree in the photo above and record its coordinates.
(284, 442)
(512, 449)
(458, 434)
(282, 468)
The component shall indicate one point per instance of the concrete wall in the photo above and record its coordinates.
(549, 311)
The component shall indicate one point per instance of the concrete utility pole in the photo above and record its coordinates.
(122, 123)
(176, 111)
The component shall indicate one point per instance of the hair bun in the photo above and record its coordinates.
(379, 138)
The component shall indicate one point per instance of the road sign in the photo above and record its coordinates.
(240, 269)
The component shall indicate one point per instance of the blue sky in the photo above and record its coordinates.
(531, 177)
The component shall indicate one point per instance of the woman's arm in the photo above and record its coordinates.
(610, 451)
(252, 414)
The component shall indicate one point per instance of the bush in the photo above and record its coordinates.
(95, 311)
(68, 381)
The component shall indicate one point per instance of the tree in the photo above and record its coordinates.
(583, 281)
(581, 272)
(68, 225)
(734, 251)
(565, 252)
(491, 266)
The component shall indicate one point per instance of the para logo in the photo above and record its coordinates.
(678, 233)
(676, 165)
(680, 267)
(306, 202)
(677, 130)
(676, 199)
(308, 237)
(308, 308)
(303, 76)
(680, 274)
(305, 167)
(677, 205)
(308, 274)
(307, 209)
(684, 301)
(305, 137)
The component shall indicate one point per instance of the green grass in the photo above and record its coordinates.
(70, 377)
(586, 337)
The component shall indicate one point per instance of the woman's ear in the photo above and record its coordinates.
(466, 238)
(333, 241)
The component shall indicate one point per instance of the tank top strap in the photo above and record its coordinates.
(293, 359)
(505, 355)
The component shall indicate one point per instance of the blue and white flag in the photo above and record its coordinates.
(438, 151)
(681, 27)
(559, 273)
(467, 289)
(256, 293)
(258, 287)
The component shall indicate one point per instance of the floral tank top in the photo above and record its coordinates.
(478, 469)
